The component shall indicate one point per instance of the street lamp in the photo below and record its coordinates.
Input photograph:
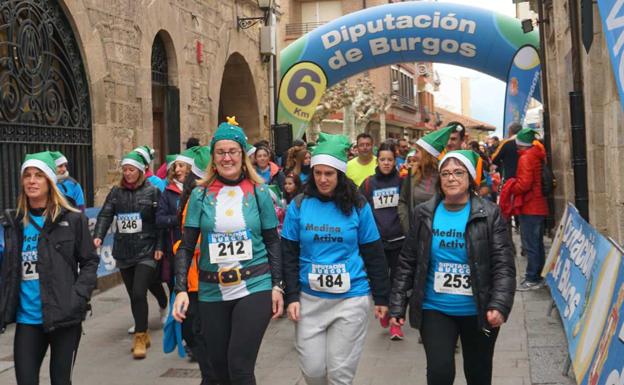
(247, 22)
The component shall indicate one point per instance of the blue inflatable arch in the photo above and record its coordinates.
(450, 33)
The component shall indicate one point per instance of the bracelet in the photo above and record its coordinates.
(279, 289)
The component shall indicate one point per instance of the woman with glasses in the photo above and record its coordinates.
(458, 263)
(240, 286)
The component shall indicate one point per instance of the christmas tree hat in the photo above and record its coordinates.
(331, 150)
(43, 161)
(228, 131)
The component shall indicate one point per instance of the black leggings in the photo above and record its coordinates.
(30, 346)
(392, 256)
(192, 336)
(234, 331)
(137, 280)
(439, 335)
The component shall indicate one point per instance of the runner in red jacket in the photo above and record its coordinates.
(534, 208)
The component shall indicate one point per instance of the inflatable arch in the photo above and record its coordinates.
(450, 33)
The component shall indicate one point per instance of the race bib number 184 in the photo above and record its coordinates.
(330, 278)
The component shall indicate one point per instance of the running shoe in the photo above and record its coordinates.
(131, 330)
(526, 285)
(396, 334)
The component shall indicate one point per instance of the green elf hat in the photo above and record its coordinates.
(410, 153)
(470, 159)
(227, 131)
(170, 159)
(44, 161)
(59, 158)
(201, 160)
(331, 150)
(187, 155)
(435, 142)
(250, 150)
(525, 137)
(134, 158)
(147, 153)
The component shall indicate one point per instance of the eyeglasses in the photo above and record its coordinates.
(457, 174)
(231, 153)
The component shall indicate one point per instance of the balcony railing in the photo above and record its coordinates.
(403, 101)
(298, 29)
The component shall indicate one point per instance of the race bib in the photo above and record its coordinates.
(330, 278)
(129, 223)
(29, 266)
(230, 247)
(386, 197)
(452, 278)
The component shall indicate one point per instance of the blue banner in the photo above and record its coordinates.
(523, 83)
(585, 274)
(107, 262)
(612, 14)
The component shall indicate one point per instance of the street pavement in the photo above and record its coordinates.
(530, 349)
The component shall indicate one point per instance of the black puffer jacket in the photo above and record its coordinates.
(130, 248)
(490, 255)
(67, 265)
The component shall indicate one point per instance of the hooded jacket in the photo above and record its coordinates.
(67, 265)
(490, 256)
(529, 180)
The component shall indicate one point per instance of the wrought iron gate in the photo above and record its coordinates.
(44, 96)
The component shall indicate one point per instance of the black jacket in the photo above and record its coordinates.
(387, 218)
(490, 256)
(167, 217)
(130, 248)
(67, 264)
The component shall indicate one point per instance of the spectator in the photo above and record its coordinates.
(456, 139)
(192, 142)
(534, 209)
(266, 169)
(364, 164)
(402, 150)
(506, 155)
(68, 185)
(292, 187)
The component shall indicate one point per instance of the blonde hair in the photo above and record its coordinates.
(139, 181)
(294, 160)
(427, 166)
(248, 171)
(56, 202)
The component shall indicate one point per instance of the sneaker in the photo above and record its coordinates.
(527, 285)
(396, 334)
(385, 321)
(163, 315)
(131, 330)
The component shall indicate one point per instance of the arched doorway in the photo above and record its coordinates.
(238, 96)
(165, 100)
(44, 95)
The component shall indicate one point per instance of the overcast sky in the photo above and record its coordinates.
(483, 87)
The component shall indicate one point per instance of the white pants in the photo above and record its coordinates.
(330, 338)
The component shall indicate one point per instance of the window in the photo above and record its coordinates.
(402, 86)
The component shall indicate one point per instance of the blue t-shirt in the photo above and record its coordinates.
(29, 309)
(157, 182)
(304, 177)
(330, 262)
(72, 189)
(448, 288)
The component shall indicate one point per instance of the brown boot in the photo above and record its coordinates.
(139, 348)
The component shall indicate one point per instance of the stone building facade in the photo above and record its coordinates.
(212, 68)
(604, 120)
